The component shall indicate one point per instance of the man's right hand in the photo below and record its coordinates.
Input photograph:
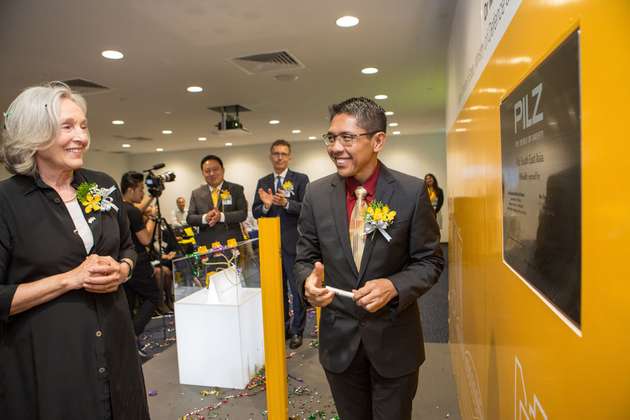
(315, 293)
(266, 197)
(213, 217)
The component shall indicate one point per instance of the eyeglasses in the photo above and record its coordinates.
(280, 155)
(346, 139)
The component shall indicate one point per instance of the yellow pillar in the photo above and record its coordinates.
(273, 318)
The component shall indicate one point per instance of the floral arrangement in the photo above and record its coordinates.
(225, 195)
(95, 198)
(288, 187)
(378, 216)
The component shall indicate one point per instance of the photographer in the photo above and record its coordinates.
(141, 283)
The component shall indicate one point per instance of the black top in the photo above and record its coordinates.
(136, 224)
(55, 356)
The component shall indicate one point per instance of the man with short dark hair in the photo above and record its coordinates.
(374, 231)
(141, 284)
(218, 207)
(280, 194)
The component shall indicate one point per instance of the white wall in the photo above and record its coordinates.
(415, 155)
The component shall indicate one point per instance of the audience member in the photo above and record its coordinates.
(218, 207)
(280, 194)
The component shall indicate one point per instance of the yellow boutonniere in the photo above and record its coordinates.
(378, 216)
(92, 203)
(94, 198)
(287, 186)
(225, 195)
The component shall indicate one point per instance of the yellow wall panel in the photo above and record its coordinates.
(508, 346)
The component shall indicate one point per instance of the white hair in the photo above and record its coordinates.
(31, 124)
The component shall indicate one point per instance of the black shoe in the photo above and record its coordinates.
(295, 342)
(163, 309)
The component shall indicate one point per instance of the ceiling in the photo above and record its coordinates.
(169, 45)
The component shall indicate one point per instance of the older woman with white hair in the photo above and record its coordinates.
(67, 346)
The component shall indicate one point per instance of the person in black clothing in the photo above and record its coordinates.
(66, 339)
(142, 284)
(436, 195)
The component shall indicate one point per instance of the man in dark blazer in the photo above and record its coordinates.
(370, 344)
(218, 218)
(280, 194)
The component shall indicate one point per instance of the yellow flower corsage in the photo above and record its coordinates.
(225, 195)
(287, 186)
(94, 198)
(378, 216)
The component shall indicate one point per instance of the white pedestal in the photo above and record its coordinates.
(220, 334)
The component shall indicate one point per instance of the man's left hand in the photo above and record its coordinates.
(279, 199)
(214, 217)
(375, 294)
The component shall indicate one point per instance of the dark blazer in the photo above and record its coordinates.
(235, 213)
(440, 200)
(289, 216)
(412, 260)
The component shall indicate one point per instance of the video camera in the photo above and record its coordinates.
(155, 182)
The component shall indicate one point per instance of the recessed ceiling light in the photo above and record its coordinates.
(274, 122)
(464, 120)
(168, 112)
(112, 54)
(393, 124)
(286, 77)
(477, 108)
(202, 138)
(296, 131)
(167, 131)
(380, 97)
(118, 122)
(159, 149)
(396, 133)
(312, 138)
(228, 144)
(347, 21)
(369, 70)
(491, 90)
(194, 89)
(389, 113)
(459, 130)
(126, 146)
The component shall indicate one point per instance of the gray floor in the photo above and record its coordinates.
(436, 398)
(308, 391)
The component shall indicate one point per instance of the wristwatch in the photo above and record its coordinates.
(126, 261)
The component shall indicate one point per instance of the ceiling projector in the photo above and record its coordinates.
(230, 124)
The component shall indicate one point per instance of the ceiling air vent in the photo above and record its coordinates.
(267, 62)
(85, 87)
(134, 138)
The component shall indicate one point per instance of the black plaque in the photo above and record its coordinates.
(540, 152)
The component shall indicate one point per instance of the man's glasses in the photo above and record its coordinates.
(280, 155)
(346, 139)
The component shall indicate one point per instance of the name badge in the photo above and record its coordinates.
(227, 201)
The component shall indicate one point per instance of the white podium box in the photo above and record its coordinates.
(220, 332)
